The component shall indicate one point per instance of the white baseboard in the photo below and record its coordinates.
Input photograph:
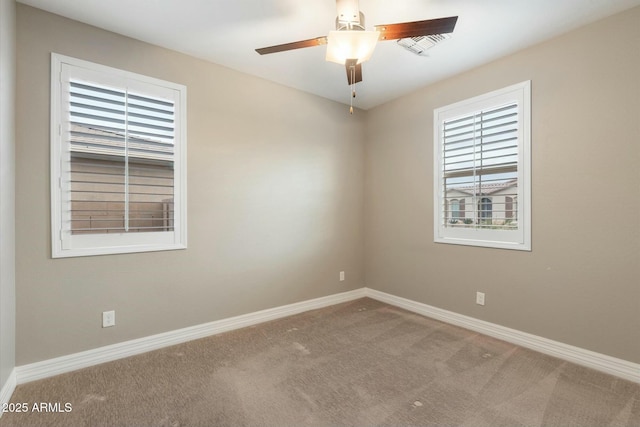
(72, 362)
(7, 390)
(601, 362)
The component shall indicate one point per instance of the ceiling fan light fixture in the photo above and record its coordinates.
(343, 45)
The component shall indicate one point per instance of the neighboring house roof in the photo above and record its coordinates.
(485, 189)
(90, 140)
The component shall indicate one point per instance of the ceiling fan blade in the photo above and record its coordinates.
(318, 41)
(417, 28)
(354, 71)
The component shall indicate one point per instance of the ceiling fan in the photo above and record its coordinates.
(351, 44)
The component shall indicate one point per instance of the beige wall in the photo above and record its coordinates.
(275, 199)
(581, 282)
(282, 196)
(7, 189)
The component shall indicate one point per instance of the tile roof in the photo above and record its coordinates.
(485, 189)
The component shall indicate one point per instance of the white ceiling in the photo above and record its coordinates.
(226, 32)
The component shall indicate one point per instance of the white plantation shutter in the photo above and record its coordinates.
(480, 159)
(119, 160)
(122, 161)
(482, 182)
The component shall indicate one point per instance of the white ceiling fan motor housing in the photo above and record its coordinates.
(348, 12)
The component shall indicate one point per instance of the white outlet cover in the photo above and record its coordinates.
(108, 318)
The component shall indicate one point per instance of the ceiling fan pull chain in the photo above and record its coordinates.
(353, 88)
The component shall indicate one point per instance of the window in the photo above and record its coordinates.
(457, 210)
(482, 153)
(118, 161)
(485, 209)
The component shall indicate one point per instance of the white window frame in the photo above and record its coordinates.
(64, 243)
(519, 239)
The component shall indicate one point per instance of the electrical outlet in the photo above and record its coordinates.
(108, 318)
(480, 298)
(342, 276)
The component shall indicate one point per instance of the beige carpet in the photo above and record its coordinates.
(362, 363)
